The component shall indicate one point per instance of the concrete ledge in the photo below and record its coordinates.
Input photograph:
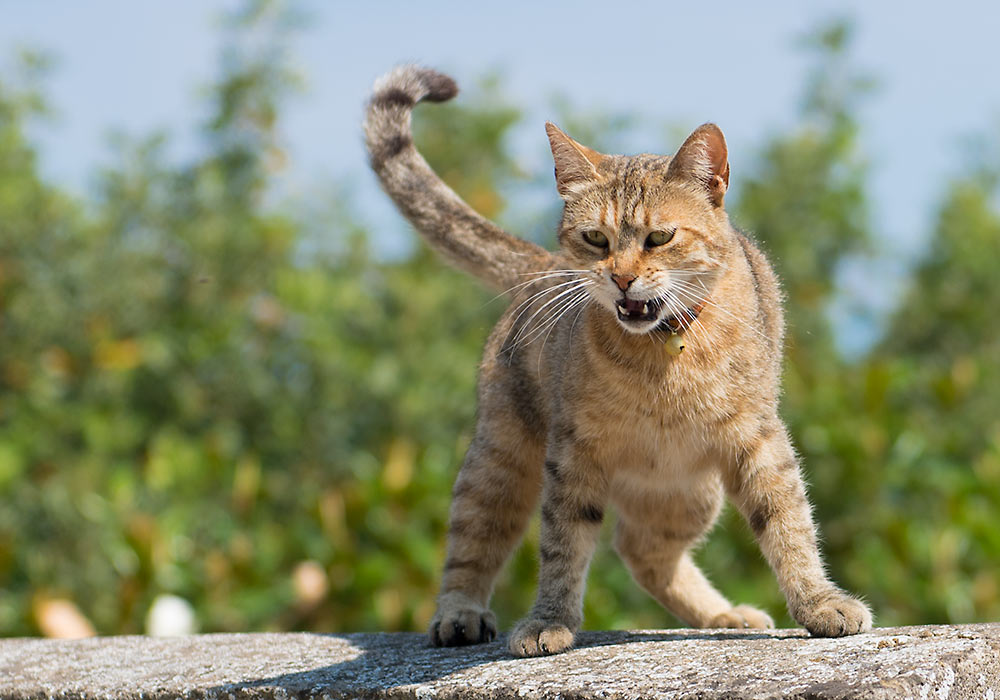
(960, 661)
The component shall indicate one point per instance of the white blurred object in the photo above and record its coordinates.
(59, 618)
(310, 582)
(170, 616)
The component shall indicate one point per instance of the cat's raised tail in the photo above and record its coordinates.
(451, 226)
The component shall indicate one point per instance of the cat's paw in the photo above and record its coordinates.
(533, 637)
(742, 617)
(460, 620)
(835, 615)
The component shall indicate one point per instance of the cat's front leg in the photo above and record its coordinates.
(766, 486)
(573, 501)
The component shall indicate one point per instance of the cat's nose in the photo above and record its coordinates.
(623, 281)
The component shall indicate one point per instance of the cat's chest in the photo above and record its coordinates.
(666, 392)
(656, 423)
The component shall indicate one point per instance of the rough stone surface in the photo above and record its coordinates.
(905, 662)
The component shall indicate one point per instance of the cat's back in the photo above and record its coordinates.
(768, 291)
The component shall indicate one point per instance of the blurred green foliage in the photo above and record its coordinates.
(189, 404)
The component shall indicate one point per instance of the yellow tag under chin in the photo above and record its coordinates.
(675, 344)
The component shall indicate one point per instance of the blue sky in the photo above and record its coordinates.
(141, 66)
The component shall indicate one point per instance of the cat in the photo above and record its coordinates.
(638, 367)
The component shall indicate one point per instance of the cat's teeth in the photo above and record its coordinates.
(645, 309)
(623, 310)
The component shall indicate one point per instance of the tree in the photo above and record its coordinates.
(196, 399)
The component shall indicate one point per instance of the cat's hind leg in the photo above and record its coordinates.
(492, 502)
(654, 539)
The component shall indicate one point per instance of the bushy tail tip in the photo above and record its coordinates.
(405, 86)
(440, 87)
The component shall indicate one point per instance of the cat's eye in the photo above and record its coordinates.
(657, 238)
(595, 238)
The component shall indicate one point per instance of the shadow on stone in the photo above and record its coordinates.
(953, 661)
(382, 664)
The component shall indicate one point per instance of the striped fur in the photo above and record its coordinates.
(465, 238)
(580, 407)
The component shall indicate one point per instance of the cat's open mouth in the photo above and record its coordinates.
(638, 311)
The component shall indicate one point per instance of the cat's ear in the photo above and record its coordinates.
(576, 165)
(703, 158)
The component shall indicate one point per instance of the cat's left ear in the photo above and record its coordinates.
(704, 158)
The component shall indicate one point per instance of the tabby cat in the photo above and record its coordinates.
(638, 367)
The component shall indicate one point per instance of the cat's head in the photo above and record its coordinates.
(650, 231)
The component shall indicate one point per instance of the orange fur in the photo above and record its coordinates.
(581, 408)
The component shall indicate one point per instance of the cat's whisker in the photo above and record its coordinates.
(695, 320)
(549, 322)
(551, 318)
(580, 299)
(525, 306)
(552, 275)
(701, 326)
(701, 295)
(677, 310)
(531, 332)
(526, 327)
(543, 276)
(652, 337)
(700, 336)
(545, 272)
(526, 303)
(566, 308)
(695, 294)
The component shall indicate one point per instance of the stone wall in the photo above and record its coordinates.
(961, 661)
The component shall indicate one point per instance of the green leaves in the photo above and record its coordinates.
(193, 401)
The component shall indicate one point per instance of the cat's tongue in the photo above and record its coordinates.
(634, 306)
(637, 310)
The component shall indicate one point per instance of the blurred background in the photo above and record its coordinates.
(235, 388)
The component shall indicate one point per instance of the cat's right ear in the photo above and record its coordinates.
(576, 165)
